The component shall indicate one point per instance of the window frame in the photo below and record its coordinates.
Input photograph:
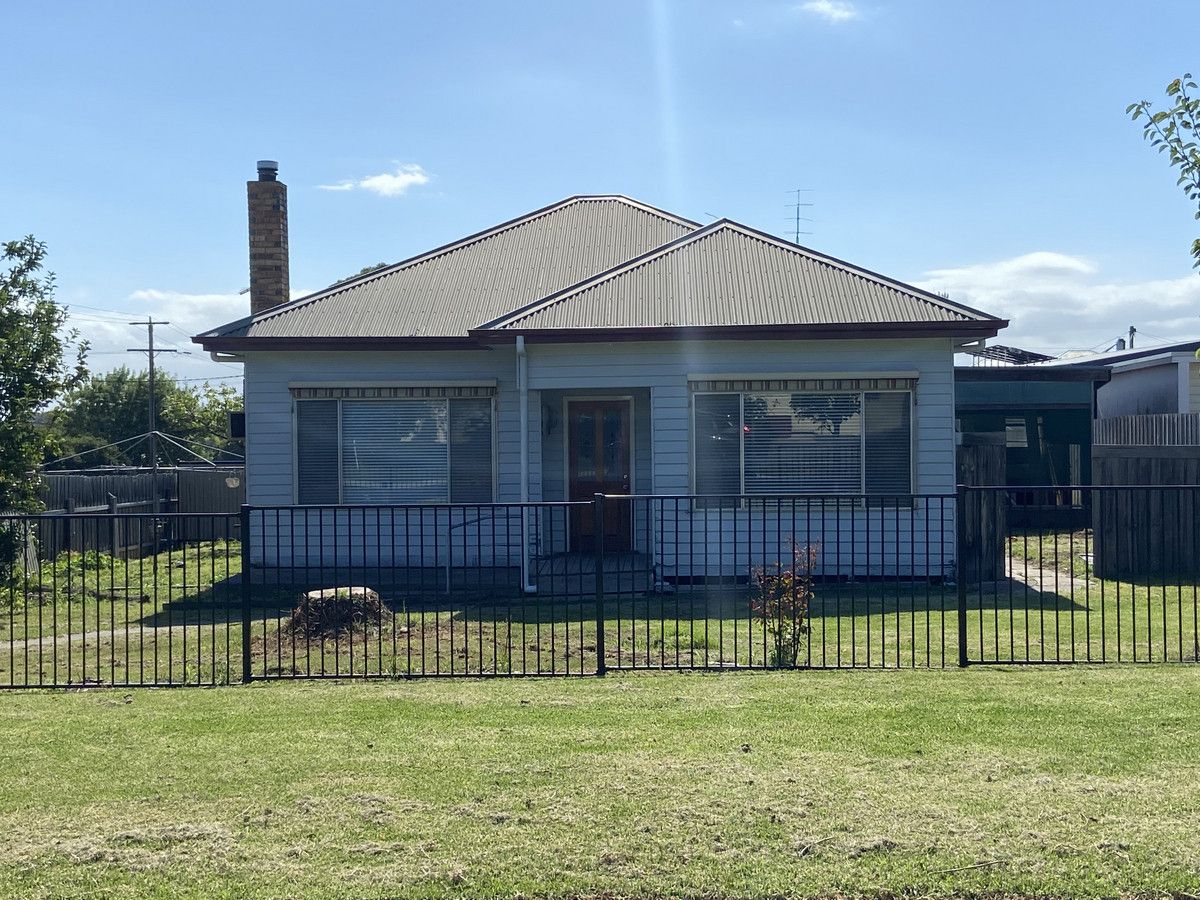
(492, 411)
(862, 475)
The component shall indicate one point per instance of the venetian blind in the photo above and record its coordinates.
(317, 451)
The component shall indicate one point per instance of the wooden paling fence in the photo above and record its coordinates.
(117, 493)
(1157, 430)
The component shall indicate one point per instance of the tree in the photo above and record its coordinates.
(1176, 132)
(113, 407)
(35, 366)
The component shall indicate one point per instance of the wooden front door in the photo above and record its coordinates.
(599, 461)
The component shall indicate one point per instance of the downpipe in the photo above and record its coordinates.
(523, 401)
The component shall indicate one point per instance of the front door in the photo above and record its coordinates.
(599, 462)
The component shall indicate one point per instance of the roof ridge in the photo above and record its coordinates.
(367, 277)
(664, 250)
(619, 269)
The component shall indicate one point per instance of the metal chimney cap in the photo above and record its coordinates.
(267, 169)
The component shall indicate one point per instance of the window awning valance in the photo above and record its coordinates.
(414, 391)
(817, 384)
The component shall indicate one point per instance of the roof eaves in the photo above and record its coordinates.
(825, 330)
(240, 343)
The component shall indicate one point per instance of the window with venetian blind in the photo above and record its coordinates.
(802, 442)
(393, 450)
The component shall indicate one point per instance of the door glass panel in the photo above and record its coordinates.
(585, 445)
(614, 445)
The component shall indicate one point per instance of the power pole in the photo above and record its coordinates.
(798, 205)
(1132, 332)
(152, 433)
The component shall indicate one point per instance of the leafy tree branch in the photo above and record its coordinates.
(1176, 132)
(36, 366)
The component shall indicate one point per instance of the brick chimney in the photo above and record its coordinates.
(266, 200)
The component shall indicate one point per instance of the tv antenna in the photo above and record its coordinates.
(800, 204)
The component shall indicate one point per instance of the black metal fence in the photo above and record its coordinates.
(1119, 584)
(149, 608)
(616, 583)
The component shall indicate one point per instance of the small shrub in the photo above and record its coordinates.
(783, 597)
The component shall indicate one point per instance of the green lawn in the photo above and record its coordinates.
(97, 591)
(1047, 782)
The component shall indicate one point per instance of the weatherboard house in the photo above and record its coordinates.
(595, 345)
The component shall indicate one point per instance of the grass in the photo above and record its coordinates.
(104, 592)
(1046, 782)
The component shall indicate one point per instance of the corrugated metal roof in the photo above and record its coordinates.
(1110, 357)
(448, 291)
(726, 274)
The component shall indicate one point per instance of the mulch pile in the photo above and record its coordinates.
(336, 612)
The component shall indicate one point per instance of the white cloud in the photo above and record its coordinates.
(385, 184)
(830, 10)
(110, 336)
(1058, 303)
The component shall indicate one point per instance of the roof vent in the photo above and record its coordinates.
(268, 169)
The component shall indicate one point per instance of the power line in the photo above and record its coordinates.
(151, 352)
(180, 330)
(92, 317)
(115, 312)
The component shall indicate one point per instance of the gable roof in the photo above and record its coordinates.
(444, 293)
(729, 276)
(603, 267)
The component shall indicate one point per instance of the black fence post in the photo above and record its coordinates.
(960, 527)
(114, 525)
(247, 675)
(598, 538)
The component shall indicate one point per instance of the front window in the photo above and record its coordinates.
(850, 442)
(394, 451)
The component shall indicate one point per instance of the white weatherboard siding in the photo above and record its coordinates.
(716, 542)
(269, 473)
(657, 375)
(664, 369)
(429, 538)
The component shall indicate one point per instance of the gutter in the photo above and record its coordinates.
(523, 400)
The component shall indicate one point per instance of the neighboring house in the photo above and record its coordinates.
(1042, 414)
(1164, 379)
(596, 345)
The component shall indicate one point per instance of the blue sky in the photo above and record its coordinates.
(977, 147)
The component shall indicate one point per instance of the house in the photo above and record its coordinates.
(1148, 380)
(595, 345)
